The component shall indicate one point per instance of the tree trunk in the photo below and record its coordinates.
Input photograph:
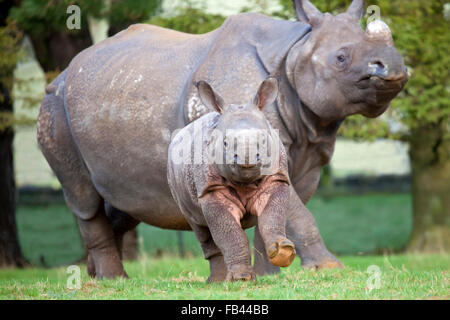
(55, 51)
(10, 252)
(430, 164)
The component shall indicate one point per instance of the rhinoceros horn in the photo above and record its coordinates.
(377, 29)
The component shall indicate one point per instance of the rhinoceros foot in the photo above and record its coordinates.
(326, 264)
(281, 253)
(241, 272)
(107, 267)
(317, 257)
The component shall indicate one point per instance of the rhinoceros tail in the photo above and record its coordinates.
(51, 104)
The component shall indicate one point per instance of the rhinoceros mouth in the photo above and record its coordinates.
(245, 176)
(391, 84)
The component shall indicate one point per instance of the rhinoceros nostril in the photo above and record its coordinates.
(378, 69)
(379, 64)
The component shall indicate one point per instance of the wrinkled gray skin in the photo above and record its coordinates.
(224, 180)
(105, 123)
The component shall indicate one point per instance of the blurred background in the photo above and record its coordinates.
(386, 190)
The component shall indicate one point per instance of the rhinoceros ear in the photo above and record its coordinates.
(267, 93)
(209, 97)
(307, 12)
(356, 9)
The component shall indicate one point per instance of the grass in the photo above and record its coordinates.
(350, 225)
(401, 277)
(361, 224)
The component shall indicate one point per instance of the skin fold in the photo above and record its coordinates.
(106, 122)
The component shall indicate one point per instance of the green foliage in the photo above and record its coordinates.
(9, 55)
(9, 52)
(190, 20)
(358, 127)
(332, 6)
(41, 17)
(132, 11)
(422, 35)
(8, 119)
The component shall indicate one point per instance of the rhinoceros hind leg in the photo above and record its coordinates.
(98, 236)
(59, 149)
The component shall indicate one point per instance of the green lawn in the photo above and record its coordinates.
(350, 225)
(401, 277)
(355, 227)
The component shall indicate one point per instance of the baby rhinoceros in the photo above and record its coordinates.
(227, 172)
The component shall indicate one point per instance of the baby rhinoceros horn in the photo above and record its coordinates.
(379, 30)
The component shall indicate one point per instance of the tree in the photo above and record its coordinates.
(420, 32)
(10, 251)
(54, 43)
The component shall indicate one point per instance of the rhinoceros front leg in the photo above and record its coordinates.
(229, 237)
(121, 223)
(272, 227)
(301, 228)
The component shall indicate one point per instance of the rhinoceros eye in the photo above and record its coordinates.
(342, 58)
(225, 144)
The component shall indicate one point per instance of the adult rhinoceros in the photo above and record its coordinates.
(106, 121)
